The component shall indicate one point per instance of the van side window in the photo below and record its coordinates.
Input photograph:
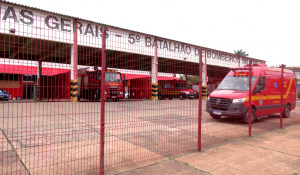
(167, 86)
(262, 82)
(177, 86)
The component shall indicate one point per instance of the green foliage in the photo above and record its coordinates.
(190, 78)
(186, 163)
(240, 52)
(193, 79)
(181, 77)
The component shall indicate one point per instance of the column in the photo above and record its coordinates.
(74, 69)
(39, 76)
(204, 81)
(154, 78)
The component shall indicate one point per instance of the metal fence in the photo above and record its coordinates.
(85, 98)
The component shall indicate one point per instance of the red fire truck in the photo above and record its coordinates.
(175, 89)
(89, 83)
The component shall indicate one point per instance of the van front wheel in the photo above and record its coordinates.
(246, 116)
(286, 112)
(181, 97)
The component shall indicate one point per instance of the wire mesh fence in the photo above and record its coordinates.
(84, 98)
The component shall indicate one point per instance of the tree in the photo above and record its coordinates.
(240, 52)
(193, 79)
(190, 78)
(181, 77)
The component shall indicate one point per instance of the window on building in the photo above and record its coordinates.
(29, 78)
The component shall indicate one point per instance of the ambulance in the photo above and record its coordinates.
(231, 98)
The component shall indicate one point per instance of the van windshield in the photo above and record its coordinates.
(236, 83)
(185, 86)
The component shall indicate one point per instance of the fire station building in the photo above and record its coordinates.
(38, 46)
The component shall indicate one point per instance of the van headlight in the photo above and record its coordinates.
(105, 93)
(208, 98)
(187, 92)
(121, 93)
(240, 100)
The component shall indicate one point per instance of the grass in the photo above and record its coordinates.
(262, 147)
(273, 150)
(187, 164)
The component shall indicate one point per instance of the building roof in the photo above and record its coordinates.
(89, 21)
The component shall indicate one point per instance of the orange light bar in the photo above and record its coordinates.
(242, 74)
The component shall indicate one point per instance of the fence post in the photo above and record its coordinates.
(103, 67)
(200, 99)
(250, 92)
(281, 96)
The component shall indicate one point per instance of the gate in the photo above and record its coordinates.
(59, 131)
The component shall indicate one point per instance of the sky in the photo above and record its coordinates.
(267, 30)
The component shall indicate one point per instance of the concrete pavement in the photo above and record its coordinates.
(141, 137)
(274, 152)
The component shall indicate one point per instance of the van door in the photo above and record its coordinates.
(177, 89)
(166, 88)
(260, 99)
(172, 89)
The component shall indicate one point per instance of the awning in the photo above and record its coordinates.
(30, 70)
(33, 70)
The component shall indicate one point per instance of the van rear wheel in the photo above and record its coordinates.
(286, 112)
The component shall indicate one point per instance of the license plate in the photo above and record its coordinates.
(113, 97)
(217, 112)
